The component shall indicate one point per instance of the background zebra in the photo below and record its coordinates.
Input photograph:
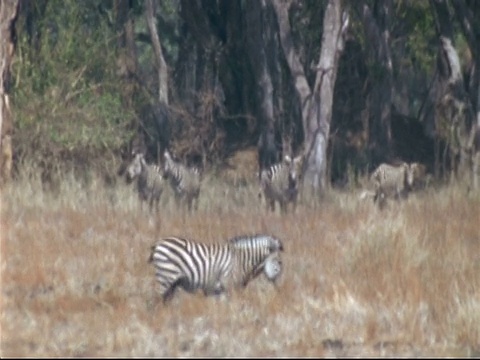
(184, 181)
(391, 181)
(212, 268)
(280, 183)
(149, 180)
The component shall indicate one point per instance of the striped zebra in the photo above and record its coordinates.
(184, 181)
(280, 183)
(149, 180)
(391, 181)
(212, 268)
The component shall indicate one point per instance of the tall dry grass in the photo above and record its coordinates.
(357, 281)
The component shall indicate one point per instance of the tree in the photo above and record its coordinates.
(8, 16)
(453, 109)
(257, 28)
(317, 101)
(376, 24)
(160, 63)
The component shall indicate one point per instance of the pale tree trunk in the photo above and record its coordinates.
(8, 16)
(453, 109)
(160, 63)
(471, 30)
(316, 102)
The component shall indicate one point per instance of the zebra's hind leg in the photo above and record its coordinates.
(170, 290)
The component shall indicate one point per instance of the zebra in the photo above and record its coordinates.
(391, 181)
(149, 180)
(280, 183)
(192, 265)
(184, 181)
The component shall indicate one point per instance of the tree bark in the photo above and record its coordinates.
(157, 50)
(316, 102)
(376, 25)
(8, 16)
(256, 48)
(453, 110)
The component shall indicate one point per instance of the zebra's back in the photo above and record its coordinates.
(391, 181)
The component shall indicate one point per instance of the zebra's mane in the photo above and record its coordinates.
(257, 240)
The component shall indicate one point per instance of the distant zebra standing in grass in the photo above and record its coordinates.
(185, 181)
(391, 181)
(214, 267)
(149, 180)
(280, 183)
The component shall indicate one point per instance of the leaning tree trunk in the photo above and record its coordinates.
(160, 63)
(453, 110)
(471, 30)
(316, 102)
(8, 16)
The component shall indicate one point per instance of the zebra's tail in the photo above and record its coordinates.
(152, 252)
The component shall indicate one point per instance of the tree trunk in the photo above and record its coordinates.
(376, 25)
(471, 30)
(256, 48)
(453, 110)
(8, 16)
(157, 50)
(316, 102)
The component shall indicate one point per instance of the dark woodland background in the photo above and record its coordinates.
(88, 81)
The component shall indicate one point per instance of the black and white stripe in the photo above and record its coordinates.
(185, 181)
(213, 268)
(280, 182)
(392, 181)
(149, 180)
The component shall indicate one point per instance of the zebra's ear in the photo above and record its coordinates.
(288, 159)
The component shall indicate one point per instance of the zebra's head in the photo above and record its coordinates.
(275, 244)
(134, 169)
(418, 174)
(272, 267)
(294, 170)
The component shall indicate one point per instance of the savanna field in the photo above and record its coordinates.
(357, 281)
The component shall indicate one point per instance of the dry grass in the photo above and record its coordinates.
(357, 282)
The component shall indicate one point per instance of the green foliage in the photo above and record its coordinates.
(67, 97)
(415, 21)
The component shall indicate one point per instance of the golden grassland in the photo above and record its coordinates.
(357, 281)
